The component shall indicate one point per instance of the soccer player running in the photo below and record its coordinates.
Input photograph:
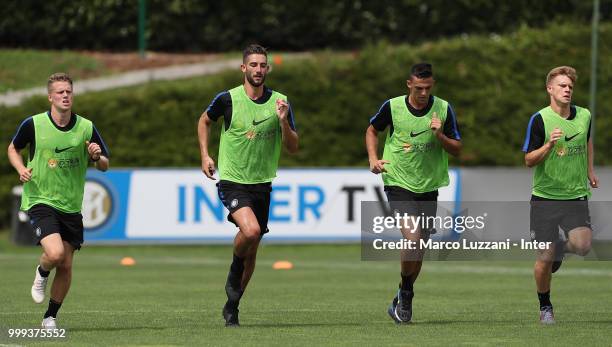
(61, 146)
(256, 121)
(423, 129)
(558, 144)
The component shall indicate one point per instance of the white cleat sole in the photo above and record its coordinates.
(38, 291)
(36, 296)
(49, 323)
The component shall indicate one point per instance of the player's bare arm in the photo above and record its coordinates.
(534, 157)
(208, 164)
(593, 179)
(371, 138)
(101, 162)
(290, 137)
(451, 146)
(16, 160)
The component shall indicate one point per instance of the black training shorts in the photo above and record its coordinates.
(414, 204)
(47, 220)
(256, 196)
(548, 215)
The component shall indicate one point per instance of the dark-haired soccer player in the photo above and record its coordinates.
(558, 144)
(256, 121)
(423, 129)
(62, 144)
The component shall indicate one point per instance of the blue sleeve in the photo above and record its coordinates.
(382, 119)
(96, 138)
(218, 105)
(451, 130)
(24, 134)
(291, 118)
(589, 132)
(534, 138)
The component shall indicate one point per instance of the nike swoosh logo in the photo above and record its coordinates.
(261, 121)
(412, 134)
(57, 150)
(567, 139)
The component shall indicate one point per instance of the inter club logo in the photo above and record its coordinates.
(97, 205)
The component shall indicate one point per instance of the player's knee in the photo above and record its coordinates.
(66, 265)
(583, 247)
(252, 233)
(542, 267)
(55, 256)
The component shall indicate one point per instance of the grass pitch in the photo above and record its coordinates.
(174, 295)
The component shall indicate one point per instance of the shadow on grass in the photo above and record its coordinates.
(462, 321)
(503, 321)
(109, 329)
(369, 324)
(297, 325)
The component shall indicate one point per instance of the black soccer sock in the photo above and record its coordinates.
(544, 299)
(234, 281)
(237, 266)
(406, 283)
(53, 308)
(42, 272)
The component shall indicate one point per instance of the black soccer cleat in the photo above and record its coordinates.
(231, 316)
(391, 310)
(400, 309)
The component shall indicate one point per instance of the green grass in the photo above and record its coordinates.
(174, 295)
(20, 69)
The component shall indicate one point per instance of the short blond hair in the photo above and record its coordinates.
(568, 71)
(58, 77)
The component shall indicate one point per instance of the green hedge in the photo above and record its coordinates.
(494, 83)
(195, 25)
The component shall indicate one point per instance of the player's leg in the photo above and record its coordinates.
(63, 275)
(579, 241)
(246, 239)
(238, 199)
(411, 261)
(542, 267)
(71, 232)
(53, 255)
(426, 206)
(249, 265)
(46, 227)
(261, 209)
(249, 231)
(576, 222)
(403, 202)
(53, 251)
(60, 286)
(544, 225)
(542, 273)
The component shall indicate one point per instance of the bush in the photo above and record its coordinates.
(194, 25)
(494, 83)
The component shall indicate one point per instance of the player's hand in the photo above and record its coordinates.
(378, 166)
(282, 109)
(593, 180)
(25, 175)
(94, 150)
(555, 135)
(436, 123)
(208, 167)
